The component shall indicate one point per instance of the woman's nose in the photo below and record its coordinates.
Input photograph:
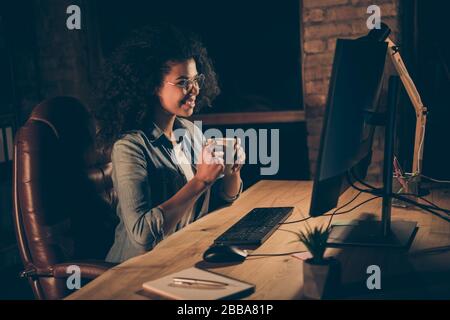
(195, 90)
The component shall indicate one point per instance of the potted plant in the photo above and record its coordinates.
(320, 275)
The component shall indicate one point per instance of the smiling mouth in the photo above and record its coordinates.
(189, 101)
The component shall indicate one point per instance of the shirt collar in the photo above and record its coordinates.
(155, 133)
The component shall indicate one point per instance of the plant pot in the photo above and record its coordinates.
(321, 280)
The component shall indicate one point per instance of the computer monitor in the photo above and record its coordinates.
(346, 140)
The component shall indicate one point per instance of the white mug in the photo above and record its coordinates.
(227, 145)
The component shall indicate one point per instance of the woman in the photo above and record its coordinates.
(152, 82)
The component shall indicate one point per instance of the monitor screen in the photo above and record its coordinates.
(346, 140)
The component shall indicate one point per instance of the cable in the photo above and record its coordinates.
(305, 219)
(396, 195)
(349, 210)
(435, 180)
(404, 199)
(343, 206)
(423, 207)
(295, 221)
(432, 205)
(363, 182)
(358, 205)
(275, 254)
(325, 215)
(371, 189)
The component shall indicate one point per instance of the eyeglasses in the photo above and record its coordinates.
(188, 84)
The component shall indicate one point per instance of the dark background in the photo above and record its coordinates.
(254, 45)
(426, 51)
(433, 71)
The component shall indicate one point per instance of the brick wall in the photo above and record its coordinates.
(323, 22)
(50, 60)
(63, 54)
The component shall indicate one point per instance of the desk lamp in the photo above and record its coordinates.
(413, 178)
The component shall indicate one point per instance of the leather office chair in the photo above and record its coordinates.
(64, 201)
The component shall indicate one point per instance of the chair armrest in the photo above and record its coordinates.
(89, 269)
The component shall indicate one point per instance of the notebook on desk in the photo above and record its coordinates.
(198, 284)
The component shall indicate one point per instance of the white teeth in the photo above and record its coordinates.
(190, 102)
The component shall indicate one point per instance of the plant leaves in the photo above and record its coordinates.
(315, 240)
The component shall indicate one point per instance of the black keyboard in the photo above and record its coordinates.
(255, 227)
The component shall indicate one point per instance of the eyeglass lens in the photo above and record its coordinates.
(189, 84)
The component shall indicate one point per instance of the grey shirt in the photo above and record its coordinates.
(145, 174)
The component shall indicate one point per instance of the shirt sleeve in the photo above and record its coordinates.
(219, 198)
(225, 197)
(143, 222)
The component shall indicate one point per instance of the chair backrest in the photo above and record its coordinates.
(64, 202)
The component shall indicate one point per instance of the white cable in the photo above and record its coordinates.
(435, 180)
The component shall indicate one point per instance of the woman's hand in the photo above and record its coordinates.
(232, 181)
(240, 157)
(211, 164)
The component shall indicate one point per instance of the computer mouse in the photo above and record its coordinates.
(224, 253)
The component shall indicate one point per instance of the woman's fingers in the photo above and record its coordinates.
(215, 155)
(241, 156)
(237, 143)
(240, 160)
(218, 154)
(218, 160)
(236, 167)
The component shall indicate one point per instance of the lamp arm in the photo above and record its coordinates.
(420, 110)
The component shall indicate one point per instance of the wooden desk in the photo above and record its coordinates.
(423, 271)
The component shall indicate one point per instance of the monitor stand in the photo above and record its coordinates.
(382, 233)
(370, 233)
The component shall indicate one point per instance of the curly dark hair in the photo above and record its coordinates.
(135, 71)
